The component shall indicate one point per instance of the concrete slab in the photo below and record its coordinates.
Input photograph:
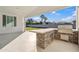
(26, 42)
(7, 38)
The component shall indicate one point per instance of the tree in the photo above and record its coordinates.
(30, 20)
(43, 18)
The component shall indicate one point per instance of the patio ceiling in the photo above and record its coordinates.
(28, 11)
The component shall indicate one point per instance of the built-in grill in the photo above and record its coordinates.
(66, 32)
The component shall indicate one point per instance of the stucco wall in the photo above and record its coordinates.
(78, 17)
(78, 21)
(19, 24)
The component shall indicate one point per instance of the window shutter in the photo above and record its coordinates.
(14, 21)
(4, 20)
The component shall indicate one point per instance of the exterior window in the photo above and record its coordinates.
(9, 21)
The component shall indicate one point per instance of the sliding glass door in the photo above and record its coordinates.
(9, 21)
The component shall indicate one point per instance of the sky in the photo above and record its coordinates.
(66, 15)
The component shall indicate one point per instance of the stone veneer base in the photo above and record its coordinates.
(44, 39)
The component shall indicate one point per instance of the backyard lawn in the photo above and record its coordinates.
(31, 28)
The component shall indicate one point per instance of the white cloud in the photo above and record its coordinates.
(69, 18)
(36, 18)
(54, 12)
(49, 21)
(74, 13)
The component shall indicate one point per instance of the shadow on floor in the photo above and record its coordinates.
(7, 38)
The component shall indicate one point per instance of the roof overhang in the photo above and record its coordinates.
(28, 11)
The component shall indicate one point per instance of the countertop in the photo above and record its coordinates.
(47, 30)
(44, 30)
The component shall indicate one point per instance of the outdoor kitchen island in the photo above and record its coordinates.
(44, 37)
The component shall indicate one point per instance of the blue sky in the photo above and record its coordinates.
(66, 15)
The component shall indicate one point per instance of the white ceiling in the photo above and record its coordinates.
(28, 11)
